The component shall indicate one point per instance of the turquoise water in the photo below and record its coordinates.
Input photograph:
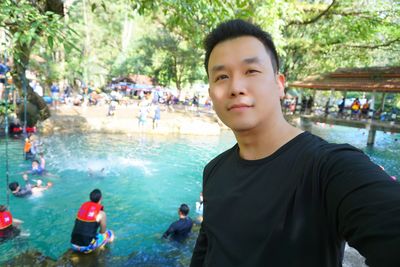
(145, 179)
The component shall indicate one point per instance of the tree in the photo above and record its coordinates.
(311, 36)
(324, 36)
(171, 60)
(25, 23)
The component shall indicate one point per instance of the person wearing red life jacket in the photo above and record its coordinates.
(85, 237)
(8, 225)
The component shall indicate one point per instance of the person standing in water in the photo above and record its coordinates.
(85, 237)
(8, 224)
(180, 229)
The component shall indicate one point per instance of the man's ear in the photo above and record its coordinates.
(280, 80)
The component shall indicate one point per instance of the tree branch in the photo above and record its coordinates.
(389, 43)
(312, 20)
(356, 13)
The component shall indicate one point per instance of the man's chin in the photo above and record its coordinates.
(242, 127)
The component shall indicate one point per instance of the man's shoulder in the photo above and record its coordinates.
(314, 144)
(223, 156)
(23, 193)
(323, 153)
(102, 213)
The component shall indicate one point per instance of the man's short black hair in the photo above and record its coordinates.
(13, 186)
(95, 195)
(184, 209)
(35, 160)
(232, 29)
(3, 208)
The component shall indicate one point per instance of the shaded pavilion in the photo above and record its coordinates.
(372, 79)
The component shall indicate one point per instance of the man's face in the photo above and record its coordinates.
(244, 89)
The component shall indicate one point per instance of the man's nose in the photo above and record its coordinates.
(238, 86)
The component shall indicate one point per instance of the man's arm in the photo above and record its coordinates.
(200, 249)
(170, 230)
(364, 201)
(42, 162)
(103, 222)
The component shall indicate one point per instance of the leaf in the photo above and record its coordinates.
(93, 7)
(50, 41)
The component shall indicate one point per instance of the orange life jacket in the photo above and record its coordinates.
(89, 211)
(27, 146)
(5, 219)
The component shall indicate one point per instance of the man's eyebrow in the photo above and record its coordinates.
(217, 68)
(251, 60)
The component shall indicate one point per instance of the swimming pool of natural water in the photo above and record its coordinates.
(145, 179)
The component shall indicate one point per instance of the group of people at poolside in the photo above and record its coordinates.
(38, 168)
(90, 228)
(9, 225)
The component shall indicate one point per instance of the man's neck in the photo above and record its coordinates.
(260, 143)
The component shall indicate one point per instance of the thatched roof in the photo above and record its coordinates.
(379, 79)
(135, 79)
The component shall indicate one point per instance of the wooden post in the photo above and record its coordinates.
(305, 124)
(371, 135)
(372, 106)
(331, 96)
(383, 101)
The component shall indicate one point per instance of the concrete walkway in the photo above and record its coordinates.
(68, 119)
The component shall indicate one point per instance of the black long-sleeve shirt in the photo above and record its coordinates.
(296, 207)
(180, 229)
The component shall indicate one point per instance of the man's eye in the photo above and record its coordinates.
(252, 71)
(221, 77)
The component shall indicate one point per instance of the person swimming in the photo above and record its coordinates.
(39, 187)
(38, 168)
(29, 189)
(95, 172)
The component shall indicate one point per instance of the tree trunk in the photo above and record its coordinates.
(38, 108)
(19, 77)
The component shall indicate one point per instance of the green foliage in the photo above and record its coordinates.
(105, 40)
(311, 36)
(10, 109)
(25, 24)
(163, 38)
(350, 34)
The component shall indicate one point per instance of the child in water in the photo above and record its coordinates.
(40, 187)
(38, 168)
